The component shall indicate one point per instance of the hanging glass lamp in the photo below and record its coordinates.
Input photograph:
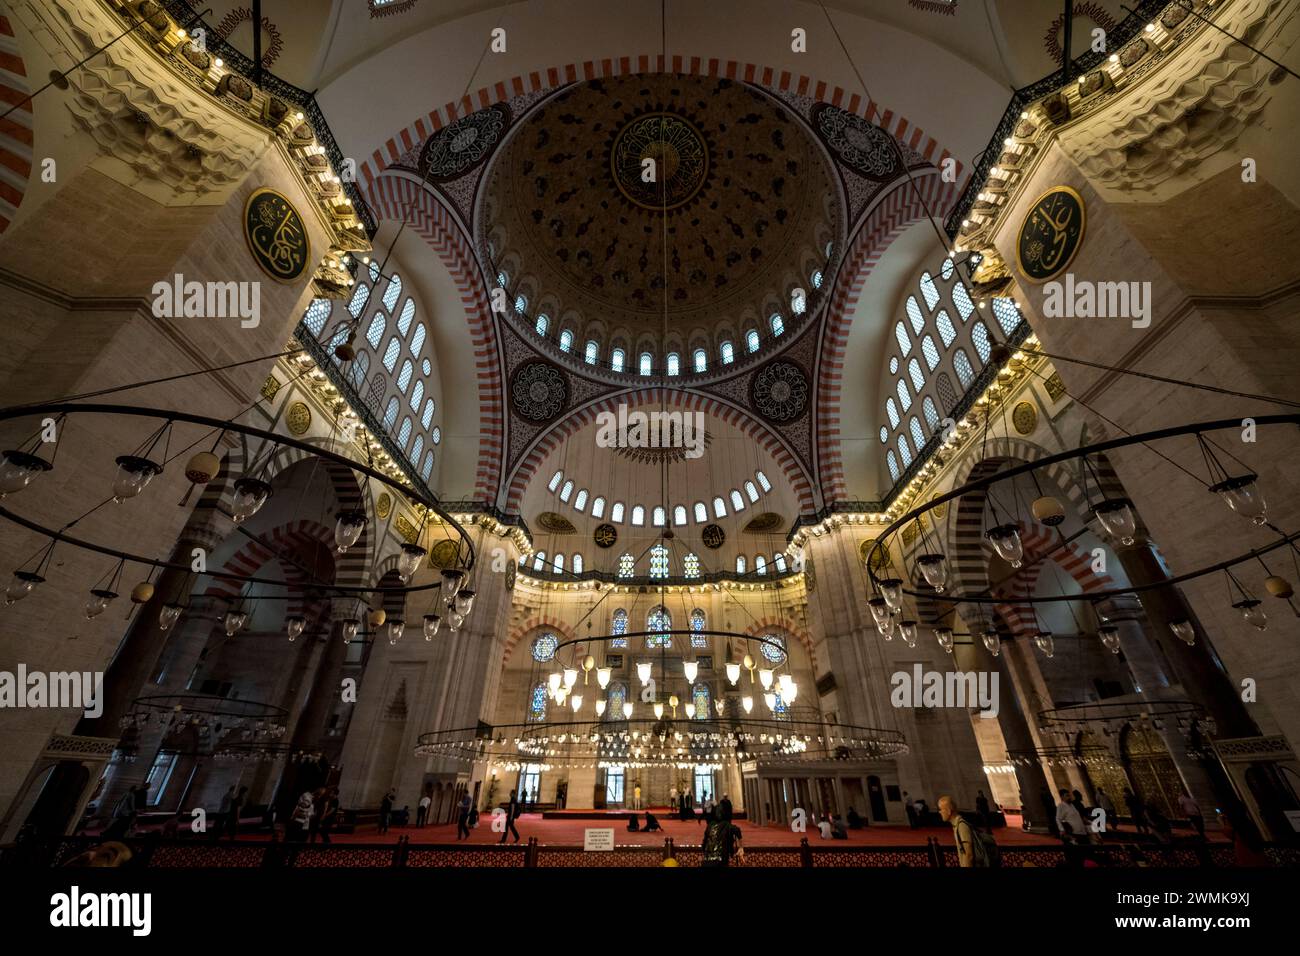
(293, 625)
(133, 475)
(98, 603)
(408, 560)
(934, 568)
(348, 526)
(1117, 518)
(1243, 495)
(18, 469)
(249, 496)
(1006, 542)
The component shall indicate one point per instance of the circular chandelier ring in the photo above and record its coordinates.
(668, 632)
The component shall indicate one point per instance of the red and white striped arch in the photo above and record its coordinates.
(15, 129)
(534, 626)
(303, 540)
(767, 625)
(1042, 545)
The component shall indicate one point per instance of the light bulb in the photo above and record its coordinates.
(934, 568)
(1006, 542)
(249, 496)
(1116, 517)
(98, 602)
(408, 560)
(747, 702)
(733, 672)
(294, 625)
(133, 474)
(431, 625)
(765, 677)
(691, 669)
(770, 699)
(1184, 631)
(627, 710)
(348, 526)
(553, 682)
(18, 469)
(643, 671)
(1243, 496)
(603, 675)
(790, 692)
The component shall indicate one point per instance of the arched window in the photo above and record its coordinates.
(773, 654)
(375, 333)
(580, 502)
(521, 304)
(537, 706)
(542, 323)
(691, 565)
(566, 491)
(625, 565)
(638, 516)
(779, 560)
(616, 697)
(373, 269)
(658, 621)
(817, 279)
(360, 366)
(417, 448)
(914, 373)
(436, 434)
(904, 342)
(760, 564)
(918, 437)
(700, 697)
(427, 416)
(914, 315)
(577, 564)
(679, 515)
(393, 349)
(798, 301)
(777, 323)
(544, 646)
(566, 340)
(393, 292)
(945, 268)
(592, 352)
(961, 299)
(417, 340)
(426, 366)
(616, 513)
(405, 319)
(316, 315)
(737, 502)
(340, 336)
(1007, 314)
(674, 364)
(701, 360)
(647, 363)
(719, 508)
(762, 481)
(740, 564)
(751, 340)
(904, 452)
(555, 481)
(557, 563)
(904, 396)
(728, 353)
(658, 517)
(428, 466)
(598, 508)
(893, 465)
(979, 336)
(619, 626)
(947, 394)
(961, 364)
(931, 414)
(417, 394)
(893, 365)
(931, 353)
(751, 491)
(884, 434)
(701, 511)
(616, 359)
(404, 377)
(390, 414)
(658, 561)
(947, 334)
(892, 411)
(928, 290)
(539, 560)
(697, 627)
(359, 300)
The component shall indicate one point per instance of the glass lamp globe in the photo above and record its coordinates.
(1184, 631)
(733, 672)
(1252, 613)
(907, 631)
(234, 622)
(603, 675)
(891, 589)
(690, 711)
(168, 615)
(720, 705)
(348, 526)
(350, 629)
(886, 629)
(1117, 518)
(691, 669)
(627, 710)
(1044, 641)
(748, 662)
(553, 682)
(1006, 542)
(747, 703)
(451, 581)
(570, 677)
(1109, 635)
(18, 470)
(879, 610)
(934, 568)
(1242, 495)
(765, 677)
(408, 560)
(249, 496)
(944, 636)
(133, 474)
(396, 628)
(98, 602)
(454, 620)
(789, 688)
(992, 642)
(659, 710)
(464, 601)
(576, 702)
(600, 707)
(294, 625)
(643, 671)
(431, 625)
(770, 699)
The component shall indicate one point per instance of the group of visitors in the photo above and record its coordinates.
(1075, 820)
(314, 816)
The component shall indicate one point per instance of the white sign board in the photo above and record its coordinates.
(598, 838)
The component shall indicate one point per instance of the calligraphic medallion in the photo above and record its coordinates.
(276, 235)
(1050, 234)
(680, 154)
(298, 418)
(444, 554)
(713, 536)
(605, 536)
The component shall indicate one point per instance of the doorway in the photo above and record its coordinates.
(877, 797)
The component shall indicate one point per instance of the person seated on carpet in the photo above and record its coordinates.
(825, 827)
(633, 824)
(838, 830)
(855, 821)
(651, 823)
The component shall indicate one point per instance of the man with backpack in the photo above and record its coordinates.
(975, 848)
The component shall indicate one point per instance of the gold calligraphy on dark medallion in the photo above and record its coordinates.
(276, 235)
(1051, 234)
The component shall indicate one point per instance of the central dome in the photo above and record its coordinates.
(657, 214)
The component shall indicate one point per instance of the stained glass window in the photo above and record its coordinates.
(619, 627)
(566, 340)
(751, 340)
(317, 314)
(537, 709)
(698, 639)
(404, 321)
(700, 695)
(544, 647)
(774, 654)
(691, 565)
(961, 363)
(658, 621)
(625, 565)
(658, 561)
(616, 698)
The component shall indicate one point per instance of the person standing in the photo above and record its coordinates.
(223, 813)
(1107, 807)
(329, 814)
(124, 813)
(1192, 809)
(231, 819)
(672, 798)
(1069, 820)
(386, 810)
(724, 808)
(462, 816)
(1137, 810)
(636, 796)
(512, 813)
(422, 813)
(301, 819)
(972, 849)
(982, 809)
